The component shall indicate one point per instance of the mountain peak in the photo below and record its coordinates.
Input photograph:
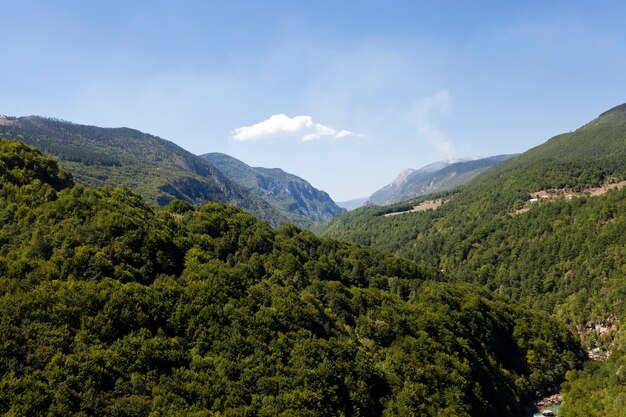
(291, 195)
(403, 176)
(438, 176)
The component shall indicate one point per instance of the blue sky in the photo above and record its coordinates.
(373, 86)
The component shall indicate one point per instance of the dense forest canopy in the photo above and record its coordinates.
(110, 306)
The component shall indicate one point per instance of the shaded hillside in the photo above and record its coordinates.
(157, 169)
(437, 177)
(294, 197)
(113, 307)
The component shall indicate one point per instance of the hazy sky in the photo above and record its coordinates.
(345, 94)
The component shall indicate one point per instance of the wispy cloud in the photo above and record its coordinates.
(280, 126)
(432, 107)
(438, 140)
(425, 113)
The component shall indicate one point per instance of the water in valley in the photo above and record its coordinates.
(554, 408)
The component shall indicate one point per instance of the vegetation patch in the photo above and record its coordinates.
(568, 194)
(423, 206)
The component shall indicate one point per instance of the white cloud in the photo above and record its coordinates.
(282, 126)
(311, 136)
(343, 133)
(425, 113)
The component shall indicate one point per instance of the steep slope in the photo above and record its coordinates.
(294, 197)
(156, 168)
(112, 307)
(436, 177)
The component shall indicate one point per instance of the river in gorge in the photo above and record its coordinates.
(553, 408)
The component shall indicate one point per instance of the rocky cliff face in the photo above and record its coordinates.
(294, 197)
(402, 177)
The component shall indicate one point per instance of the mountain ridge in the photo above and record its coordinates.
(158, 169)
(434, 177)
(616, 115)
(295, 197)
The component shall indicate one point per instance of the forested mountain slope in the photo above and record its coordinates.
(294, 197)
(477, 235)
(113, 307)
(565, 255)
(437, 177)
(157, 169)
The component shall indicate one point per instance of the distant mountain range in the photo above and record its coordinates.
(162, 171)
(292, 196)
(352, 204)
(438, 176)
